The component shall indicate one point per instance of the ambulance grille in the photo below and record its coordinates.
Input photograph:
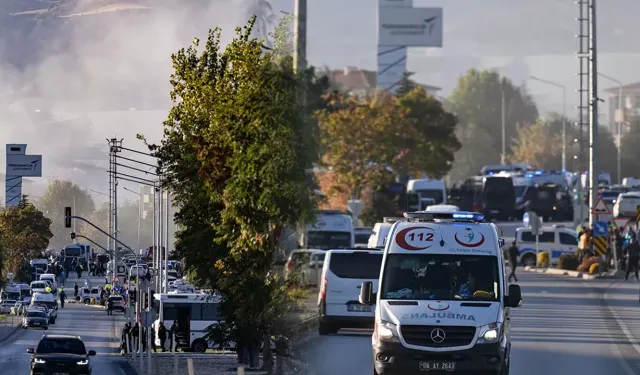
(453, 336)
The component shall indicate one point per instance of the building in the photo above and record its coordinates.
(630, 107)
(361, 82)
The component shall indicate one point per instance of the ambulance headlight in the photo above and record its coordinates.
(491, 333)
(386, 331)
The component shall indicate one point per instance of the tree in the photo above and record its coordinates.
(537, 145)
(25, 235)
(630, 152)
(236, 120)
(477, 102)
(61, 194)
(406, 84)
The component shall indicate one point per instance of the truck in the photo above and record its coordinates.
(332, 229)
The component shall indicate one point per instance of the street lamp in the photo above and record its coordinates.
(564, 116)
(618, 123)
(139, 210)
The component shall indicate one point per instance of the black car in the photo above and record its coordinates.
(36, 319)
(60, 354)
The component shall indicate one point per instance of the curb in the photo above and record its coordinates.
(573, 274)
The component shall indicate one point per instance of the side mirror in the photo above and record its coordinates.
(91, 353)
(30, 351)
(367, 297)
(515, 296)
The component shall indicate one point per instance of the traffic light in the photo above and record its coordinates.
(73, 235)
(67, 217)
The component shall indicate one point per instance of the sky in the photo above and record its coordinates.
(520, 38)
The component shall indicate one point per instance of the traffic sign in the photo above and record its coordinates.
(600, 228)
(525, 219)
(600, 244)
(600, 208)
(148, 318)
(621, 222)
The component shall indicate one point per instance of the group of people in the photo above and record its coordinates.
(129, 338)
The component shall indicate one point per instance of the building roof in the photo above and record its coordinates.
(630, 87)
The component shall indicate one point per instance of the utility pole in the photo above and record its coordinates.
(503, 156)
(300, 36)
(593, 111)
(115, 146)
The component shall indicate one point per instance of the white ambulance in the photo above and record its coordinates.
(443, 303)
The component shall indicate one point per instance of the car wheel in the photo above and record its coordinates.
(199, 346)
(323, 329)
(46, 328)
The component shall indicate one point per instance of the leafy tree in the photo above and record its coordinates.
(537, 145)
(25, 235)
(477, 102)
(61, 194)
(406, 84)
(236, 122)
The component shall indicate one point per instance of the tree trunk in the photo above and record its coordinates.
(254, 354)
(240, 353)
(267, 358)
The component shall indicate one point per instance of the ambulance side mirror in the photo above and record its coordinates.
(367, 297)
(515, 296)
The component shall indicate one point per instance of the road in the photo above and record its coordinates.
(97, 330)
(563, 327)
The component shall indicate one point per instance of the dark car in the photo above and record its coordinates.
(35, 319)
(60, 354)
(118, 303)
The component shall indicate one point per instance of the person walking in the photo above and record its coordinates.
(173, 331)
(109, 307)
(633, 257)
(75, 291)
(125, 338)
(135, 333)
(62, 297)
(513, 254)
(162, 335)
(63, 277)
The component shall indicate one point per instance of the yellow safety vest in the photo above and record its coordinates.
(47, 289)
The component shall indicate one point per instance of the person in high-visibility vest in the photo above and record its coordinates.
(47, 289)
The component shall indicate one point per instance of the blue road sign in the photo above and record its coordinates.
(525, 219)
(600, 228)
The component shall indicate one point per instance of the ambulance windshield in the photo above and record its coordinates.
(441, 277)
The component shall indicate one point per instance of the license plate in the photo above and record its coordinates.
(437, 366)
(36, 324)
(60, 373)
(359, 308)
(494, 211)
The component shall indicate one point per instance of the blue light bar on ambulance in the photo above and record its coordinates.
(444, 215)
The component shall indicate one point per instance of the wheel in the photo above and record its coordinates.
(323, 328)
(529, 260)
(46, 328)
(505, 369)
(25, 327)
(199, 346)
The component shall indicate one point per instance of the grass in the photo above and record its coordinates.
(299, 294)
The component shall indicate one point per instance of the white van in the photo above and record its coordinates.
(626, 205)
(380, 231)
(343, 273)
(38, 287)
(444, 300)
(52, 279)
(332, 229)
(555, 240)
(424, 192)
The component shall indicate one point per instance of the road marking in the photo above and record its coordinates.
(623, 363)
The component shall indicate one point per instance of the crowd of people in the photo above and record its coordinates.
(623, 246)
(129, 338)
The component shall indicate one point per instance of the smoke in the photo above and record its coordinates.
(99, 71)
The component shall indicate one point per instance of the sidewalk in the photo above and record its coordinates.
(8, 325)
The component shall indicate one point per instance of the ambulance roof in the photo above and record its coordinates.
(444, 233)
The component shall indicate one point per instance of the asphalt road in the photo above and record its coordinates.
(97, 330)
(563, 327)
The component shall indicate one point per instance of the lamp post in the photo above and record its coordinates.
(564, 116)
(618, 123)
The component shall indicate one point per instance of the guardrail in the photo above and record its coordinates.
(8, 325)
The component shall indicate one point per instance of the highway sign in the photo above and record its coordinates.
(620, 223)
(148, 317)
(525, 219)
(600, 244)
(600, 228)
(600, 208)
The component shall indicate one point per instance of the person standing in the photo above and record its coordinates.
(513, 253)
(110, 307)
(62, 296)
(125, 338)
(162, 335)
(633, 257)
(173, 331)
(135, 333)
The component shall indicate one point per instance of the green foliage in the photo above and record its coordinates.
(378, 206)
(477, 101)
(25, 235)
(406, 85)
(235, 157)
(61, 194)
(568, 262)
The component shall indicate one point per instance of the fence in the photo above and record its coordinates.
(8, 325)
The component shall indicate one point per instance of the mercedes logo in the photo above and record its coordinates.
(438, 335)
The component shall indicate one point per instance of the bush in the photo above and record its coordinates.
(568, 262)
(543, 259)
(594, 268)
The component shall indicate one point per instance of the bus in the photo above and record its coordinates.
(193, 313)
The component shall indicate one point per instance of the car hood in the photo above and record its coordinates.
(61, 357)
(460, 313)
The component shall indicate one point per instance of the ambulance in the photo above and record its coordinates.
(444, 302)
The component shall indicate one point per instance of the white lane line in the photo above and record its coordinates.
(615, 349)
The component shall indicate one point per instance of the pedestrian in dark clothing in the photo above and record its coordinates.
(125, 338)
(162, 335)
(110, 307)
(152, 332)
(173, 331)
(135, 333)
(513, 253)
(144, 341)
(633, 257)
(75, 291)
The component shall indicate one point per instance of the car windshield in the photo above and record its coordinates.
(362, 237)
(61, 346)
(328, 240)
(38, 286)
(441, 277)
(36, 314)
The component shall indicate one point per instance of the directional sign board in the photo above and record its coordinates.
(525, 219)
(600, 208)
(600, 228)
(148, 317)
(620, 223)
(600, 244)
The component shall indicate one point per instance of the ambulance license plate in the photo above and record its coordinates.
(358, 308)
(60, 373)
(437, 366)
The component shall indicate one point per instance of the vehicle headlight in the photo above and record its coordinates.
(491, 333)
(83, 362)
(38, 360)
(386, 331)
